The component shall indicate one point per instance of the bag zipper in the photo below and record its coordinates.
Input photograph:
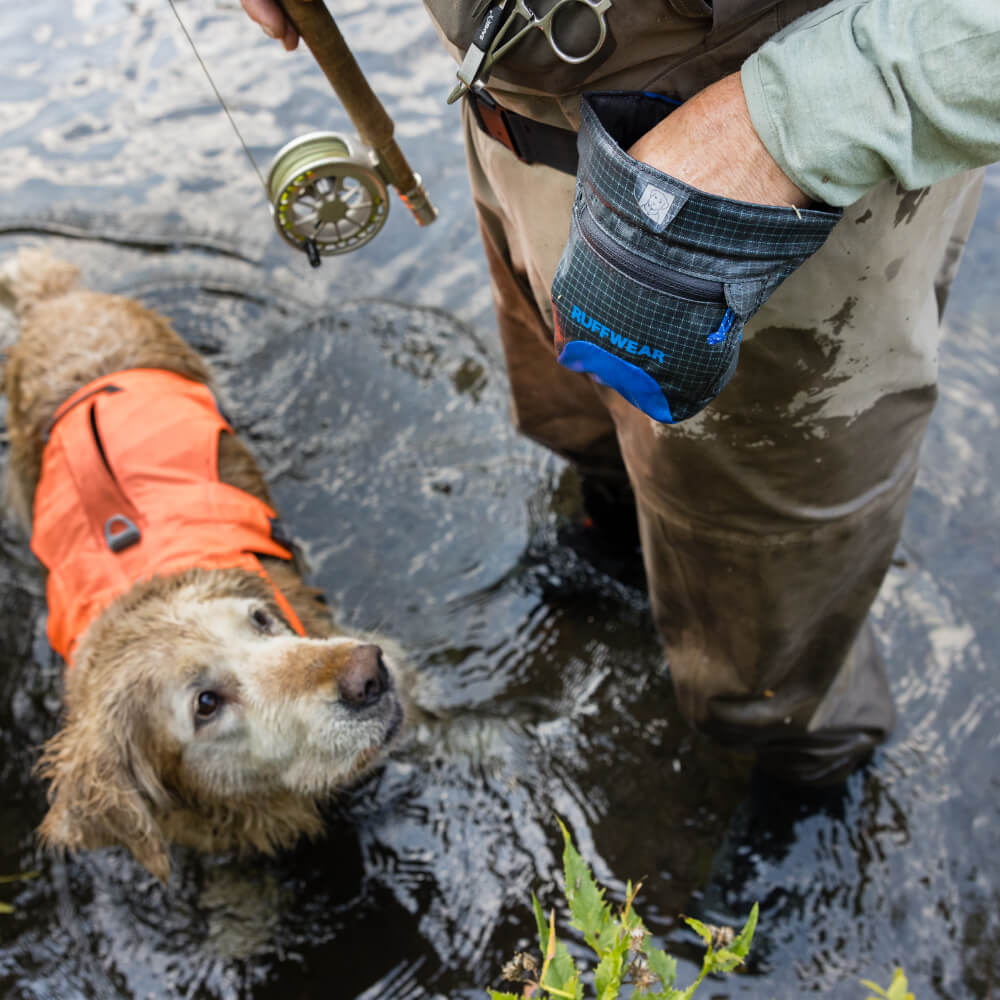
(638, 267)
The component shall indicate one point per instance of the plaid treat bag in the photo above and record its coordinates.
(658, 278)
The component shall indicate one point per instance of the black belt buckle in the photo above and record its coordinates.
(492, 119)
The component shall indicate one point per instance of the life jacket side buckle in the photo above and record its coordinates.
(120, 532)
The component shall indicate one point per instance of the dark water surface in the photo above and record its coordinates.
(371, 391)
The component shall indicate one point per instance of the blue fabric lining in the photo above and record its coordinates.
(663, 97)
(628, 380)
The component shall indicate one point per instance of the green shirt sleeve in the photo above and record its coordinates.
(863, 90)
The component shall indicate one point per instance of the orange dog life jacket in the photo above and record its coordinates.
(130, 488)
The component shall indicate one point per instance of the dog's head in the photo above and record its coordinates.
(197, 716)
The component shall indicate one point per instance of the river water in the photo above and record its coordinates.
(372, 393)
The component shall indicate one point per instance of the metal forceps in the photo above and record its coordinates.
(499, 44)
(489, 22)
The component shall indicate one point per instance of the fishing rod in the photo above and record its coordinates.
(328, 193)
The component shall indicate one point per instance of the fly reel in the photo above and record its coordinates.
(327, 194)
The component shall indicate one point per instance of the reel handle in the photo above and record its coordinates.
(318, 30)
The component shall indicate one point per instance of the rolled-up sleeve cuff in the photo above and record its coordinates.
(860, 91)
(802, 89)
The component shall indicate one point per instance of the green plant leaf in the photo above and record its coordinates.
(6, 908)
(562, 972)
(728, 958)
(611, 969)
(19, 877)
(630, 921)
(700, 929)
(663, 965)
(590, 914)
(617, 936)
(541, 924)
(723, 961)
(898, 988)
(608, 977)
(873, 986)
(741, 943)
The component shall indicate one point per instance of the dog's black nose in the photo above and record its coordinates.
(365, 678)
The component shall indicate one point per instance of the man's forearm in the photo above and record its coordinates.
(710, 143)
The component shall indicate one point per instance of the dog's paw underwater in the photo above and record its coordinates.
(211, 701)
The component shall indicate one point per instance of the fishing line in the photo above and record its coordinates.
(327, 192)
(221, 100)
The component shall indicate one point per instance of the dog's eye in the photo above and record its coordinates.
(262, 620)
(206, 705)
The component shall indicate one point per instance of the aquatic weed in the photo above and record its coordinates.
(898, 988)
(620, 942)
(7, 879)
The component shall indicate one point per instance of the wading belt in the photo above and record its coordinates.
(528, 140)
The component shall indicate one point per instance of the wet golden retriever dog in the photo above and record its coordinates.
(211, 707)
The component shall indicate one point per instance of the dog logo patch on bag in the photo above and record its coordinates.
(655, 204)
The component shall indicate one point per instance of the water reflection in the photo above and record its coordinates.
(371, 392)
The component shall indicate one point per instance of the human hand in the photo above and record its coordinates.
(709, 142)
(272, 20)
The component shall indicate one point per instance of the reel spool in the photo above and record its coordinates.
(327, 194)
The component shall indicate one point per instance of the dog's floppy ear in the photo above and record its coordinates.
(102, 793)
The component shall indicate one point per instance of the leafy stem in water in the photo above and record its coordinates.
(621, 943)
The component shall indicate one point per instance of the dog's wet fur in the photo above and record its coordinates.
(139, 761)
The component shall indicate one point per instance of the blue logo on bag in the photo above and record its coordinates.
(577, 315)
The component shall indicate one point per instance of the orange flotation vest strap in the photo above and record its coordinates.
(130, 489)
